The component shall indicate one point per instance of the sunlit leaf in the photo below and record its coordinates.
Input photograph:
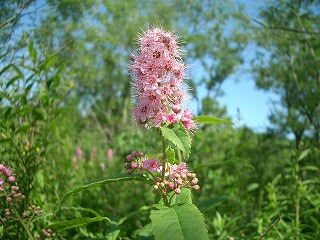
(179, 222)
(211, 120)
(179, 136)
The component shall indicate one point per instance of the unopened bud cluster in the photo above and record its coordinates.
(175, 177)
(46, 234)
(10, 192)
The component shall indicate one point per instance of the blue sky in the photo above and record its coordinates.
(241, 95)
(240, 92)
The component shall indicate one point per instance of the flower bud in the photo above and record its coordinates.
(177, 191)
(179, 181)
(11, 179)
(134, 165)
(196, 187)
(195, 181)
(135, 154)
(129, 158)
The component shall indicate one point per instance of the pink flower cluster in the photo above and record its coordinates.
(157, 72)
(8, 190)
(175, 178)
(13, 197)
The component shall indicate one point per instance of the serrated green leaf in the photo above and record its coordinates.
(74, 223)
(171, 155)
(211, 120)
(179, 136)
(122, 177)
(179, 222)
(183, 197)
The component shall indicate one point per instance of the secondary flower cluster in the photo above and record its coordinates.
(175, 178)
(8, 190)
(12, 196)
(157, 72)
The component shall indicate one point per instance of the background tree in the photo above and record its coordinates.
(288, 65)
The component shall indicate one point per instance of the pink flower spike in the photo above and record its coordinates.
(102, 166)
(157, 76)
(78, 152)
(110, 154)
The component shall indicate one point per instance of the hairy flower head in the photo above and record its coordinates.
(157, 78)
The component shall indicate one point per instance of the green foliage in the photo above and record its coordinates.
(181, 221)
(179, 136)
(74, 223)
(100, 182)
(67, 88)
(211, 120)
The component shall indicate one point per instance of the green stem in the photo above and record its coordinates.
(297, 197)
(164, 158)
(24, 225)
(179, 155)
(171, 199)
(165, 200)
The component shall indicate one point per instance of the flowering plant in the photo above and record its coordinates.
(160, 99)
(160, 96)
(160, 102)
